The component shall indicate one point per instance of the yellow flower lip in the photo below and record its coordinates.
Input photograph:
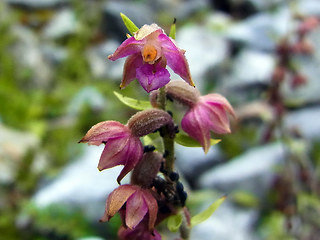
(149, 53)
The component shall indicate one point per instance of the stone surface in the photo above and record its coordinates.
(100, 65)
(250, 68)
(227, 223)
(14, 145)
(204, 50)
(262, 30)
(81, 184)
(37, 3)
(305, 120)
(251, 171)
(63, 23)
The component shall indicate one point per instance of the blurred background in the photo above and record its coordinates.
(56, 82)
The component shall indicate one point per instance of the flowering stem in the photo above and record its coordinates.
(168, 141)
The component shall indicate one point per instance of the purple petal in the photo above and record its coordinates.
(128, 47)
(103, 131)
(152, 206)
(132, 156)
(114, 153)
(129, 70)
(116, 199)
(136, 209)
(175, 58)
(192, 124)
(152, 76)
(219, 99)
(218, 120)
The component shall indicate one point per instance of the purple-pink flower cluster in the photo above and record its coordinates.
(154, 192)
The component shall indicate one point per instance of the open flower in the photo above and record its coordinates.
(121, 146)
(138, 202)
(149, 51)
(122, 143)
(206, 113)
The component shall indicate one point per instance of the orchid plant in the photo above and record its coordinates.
(155, 192)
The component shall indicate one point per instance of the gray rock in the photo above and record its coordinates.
(54, 54)
(262, 30)
(309, 7)
(28, 53)
(264, 5)
(62, 24)
(81, 184)
(204, 50)
(192, 161)
(251, 171)
(225, 218)
(14, 145)
(305, 120)
(101, 66)
(37, 3)
(139, 12)
(251, 67)
(87, 95)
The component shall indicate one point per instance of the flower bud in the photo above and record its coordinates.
(148, 121)
(147, 169)
(183, 93)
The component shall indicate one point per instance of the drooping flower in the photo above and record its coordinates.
(121, 146)
(122, 143)
(140, 232)
(206, 113)
(149, 51)
(138, 202)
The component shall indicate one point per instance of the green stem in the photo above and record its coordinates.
(168, 141)
(185, 226)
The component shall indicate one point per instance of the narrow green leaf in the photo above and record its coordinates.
(172, 33)
(187, 141)
(174, 222)
(129, 24)
(201, 217)
(133, 103)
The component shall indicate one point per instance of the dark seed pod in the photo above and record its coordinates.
(147, 169)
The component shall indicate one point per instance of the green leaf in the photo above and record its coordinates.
(172, 33)
(174, 222)
(133, 103)
(187, 141)
(129, 24)
(201, 217)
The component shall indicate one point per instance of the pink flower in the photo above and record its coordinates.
(138, 202)
(149, 51)
(140, 232)
(206, 113)
(209, 113)
(122, 143)
(121, 146)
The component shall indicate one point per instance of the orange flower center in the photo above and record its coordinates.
(149, 53)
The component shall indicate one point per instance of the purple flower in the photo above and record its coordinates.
(121, 146)
(149, 51)
(206, 113)
(209, 113)
(138, 202)
(122, 143)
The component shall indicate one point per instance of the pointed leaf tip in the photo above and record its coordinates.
(129, 24)
(133, 103)
(172, 33)
(204, 215)
(174, 222)
(187, 141)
